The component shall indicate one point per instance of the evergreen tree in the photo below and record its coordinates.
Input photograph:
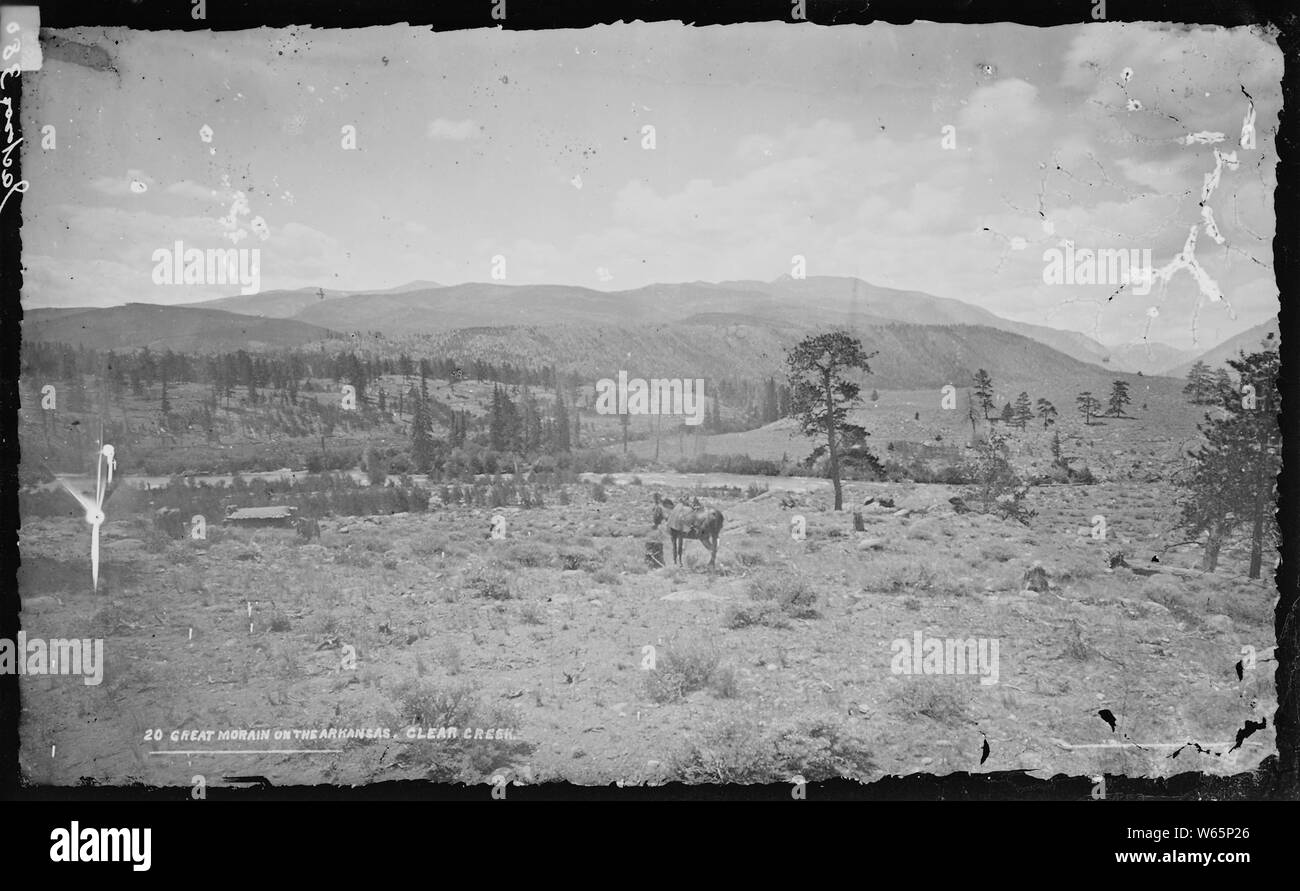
(984, 391)
(531, 422)
(1024, 411)
(1198, 383)
(504, 429)
(823, 394)
(1118, 398)
(1047, 412)
(422, 448)
(1222, 390)
(1233, 480)
(1088, 406)
(560, 425)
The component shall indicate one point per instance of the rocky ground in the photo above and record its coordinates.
(780, 662)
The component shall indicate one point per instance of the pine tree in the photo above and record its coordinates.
(496, 421)
(1233, 480)
(984, 391)
(422, 448)
(531, 422)
(1221, 389)
(1047, 412)
(1198, 383)
(1088, 406)
(823, 393)
(1008, 414)
(504, 428)
(1024, 411)
(560, 425)
(1118, 398)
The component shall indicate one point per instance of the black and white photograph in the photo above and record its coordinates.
(646, 403)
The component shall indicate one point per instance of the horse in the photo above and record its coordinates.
(701, 523)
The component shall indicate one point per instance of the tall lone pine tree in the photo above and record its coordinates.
(823, 394)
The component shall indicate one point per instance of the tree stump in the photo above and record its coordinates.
(858, 525)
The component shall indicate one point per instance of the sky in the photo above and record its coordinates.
(770, 141)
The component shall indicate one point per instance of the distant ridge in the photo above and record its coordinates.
(732, 328)
(1251, 340)
(814, 301)
(179, 328)
(287, 304)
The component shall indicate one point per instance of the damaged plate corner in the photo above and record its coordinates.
(20, 28)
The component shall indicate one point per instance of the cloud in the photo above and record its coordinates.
(1006, 106)
(189, 189)
(135, 182)
(455, 131)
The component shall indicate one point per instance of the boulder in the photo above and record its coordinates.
(1036, 579)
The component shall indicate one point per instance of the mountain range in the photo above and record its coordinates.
(816, 301)
(189, 329)
(1248, 341)
(729, 328)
